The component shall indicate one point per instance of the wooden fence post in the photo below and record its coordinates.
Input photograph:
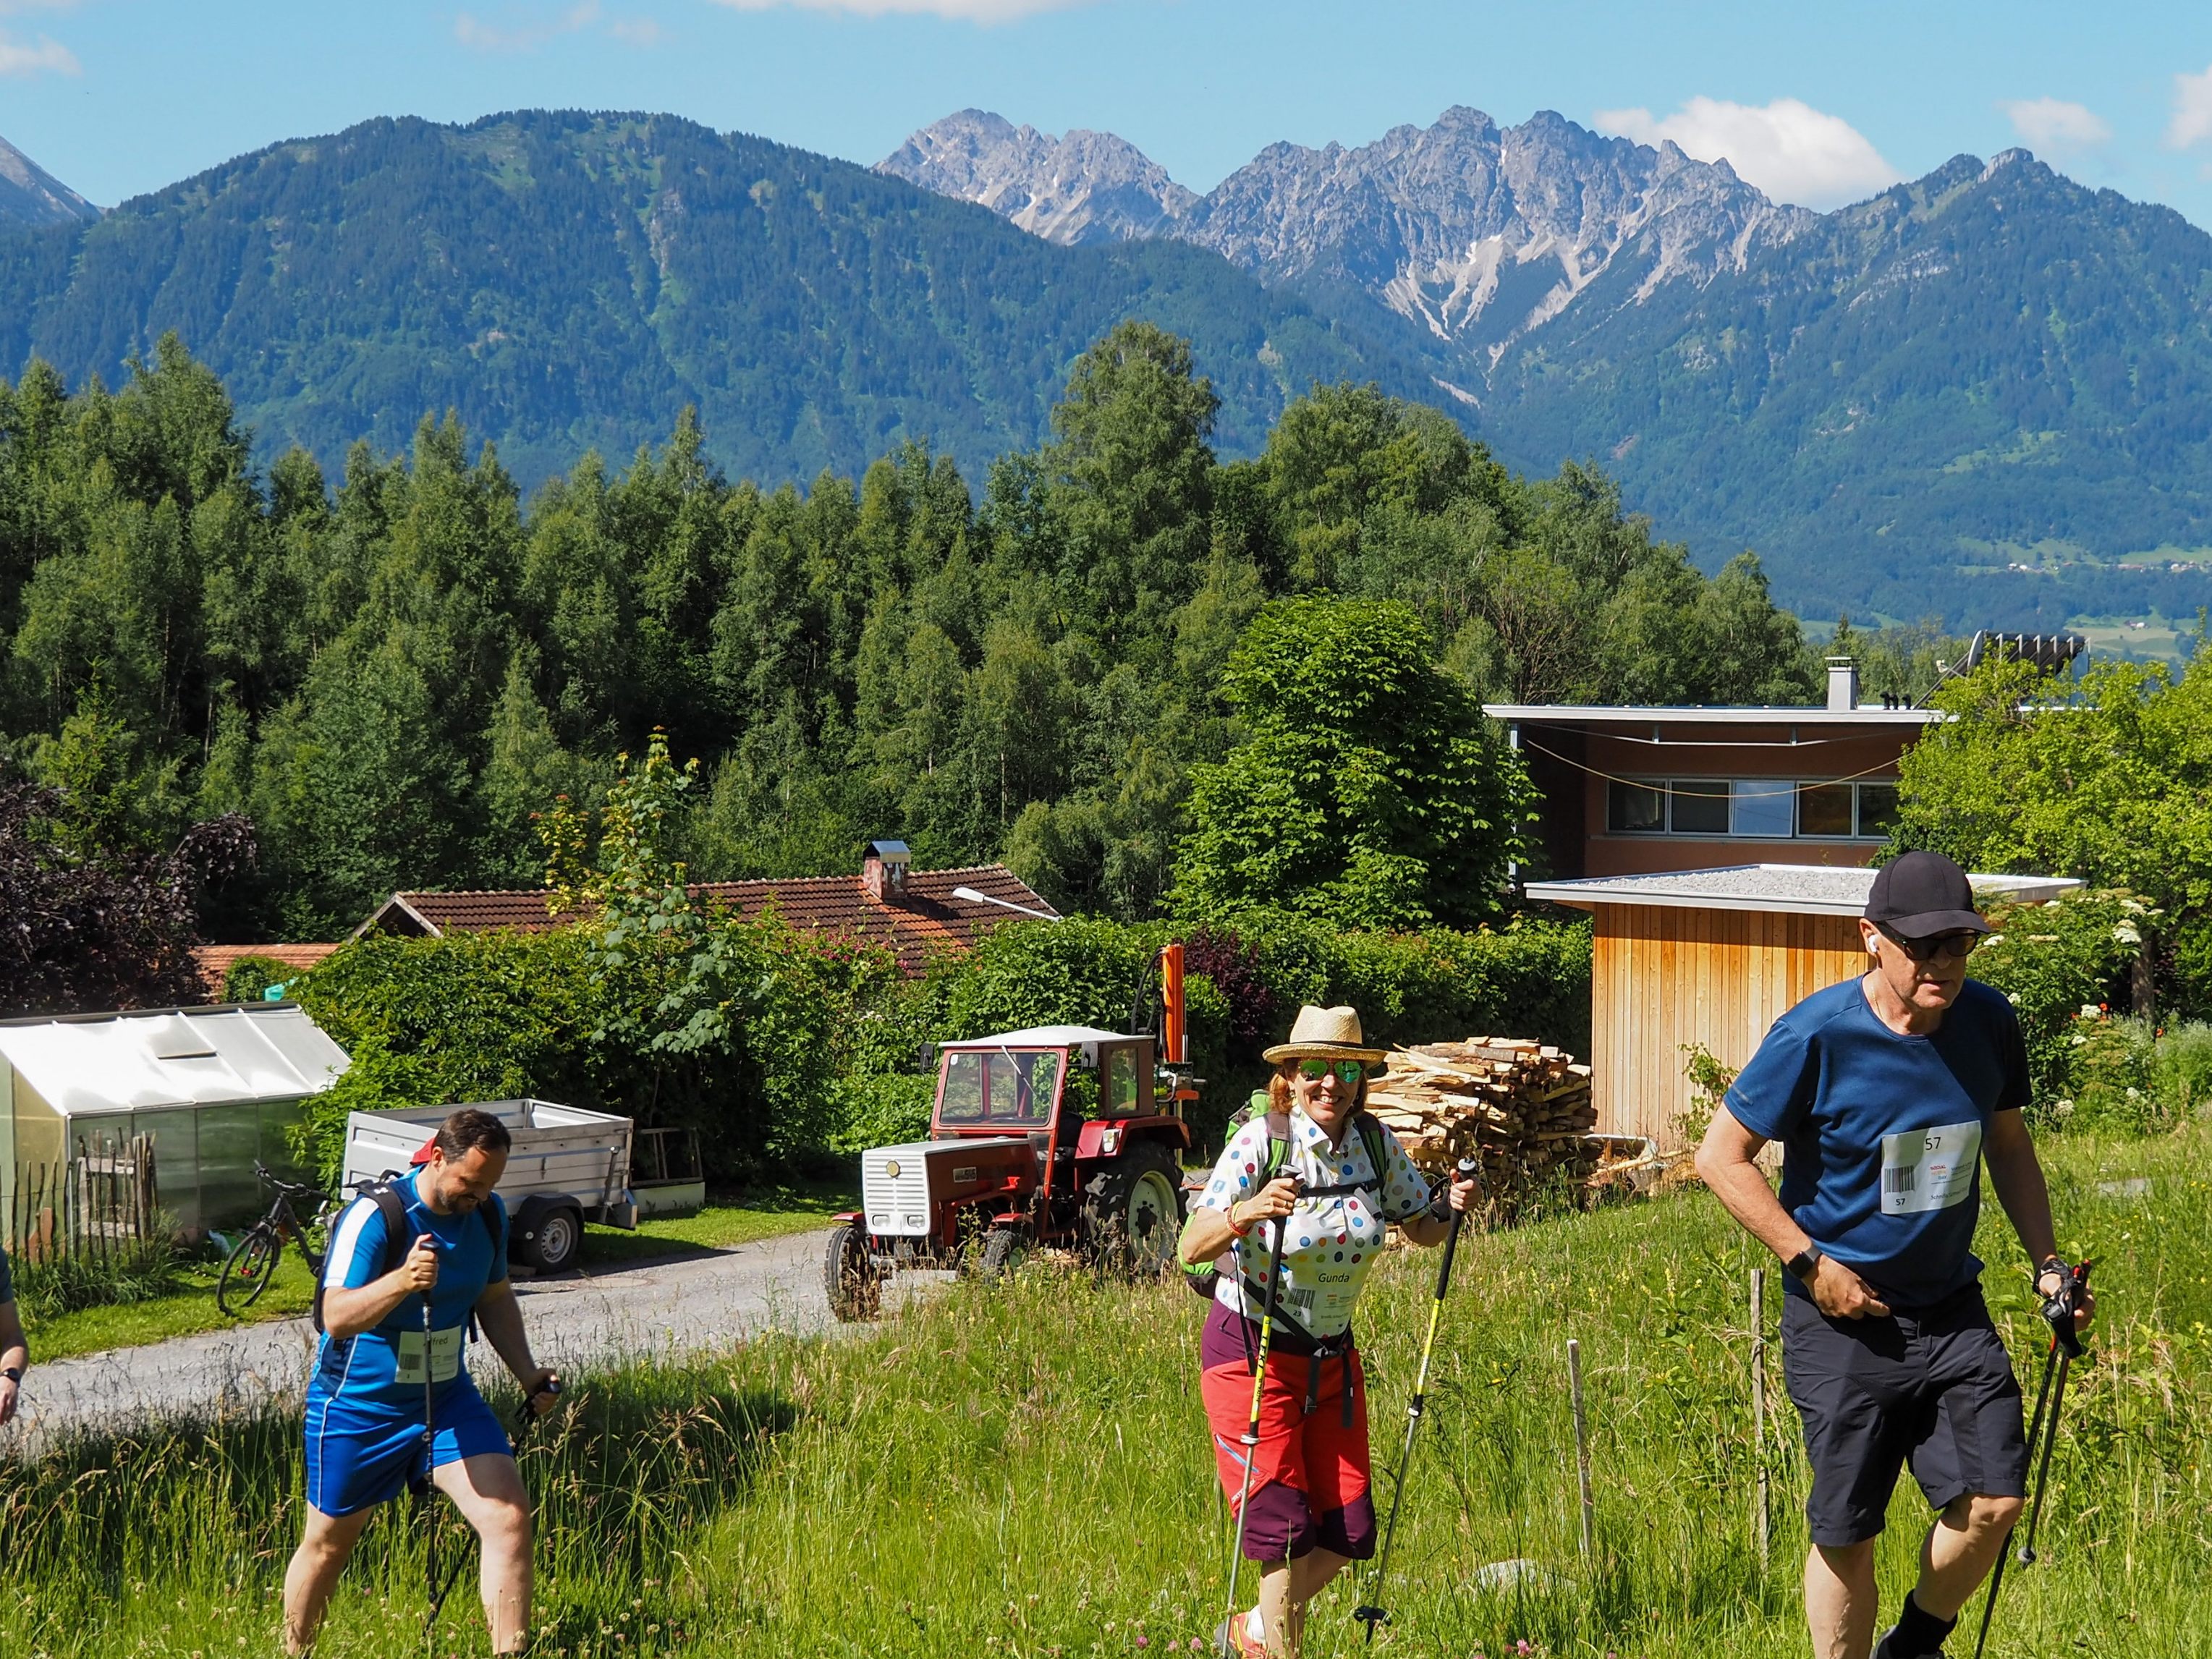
(1582, 1443)
(1759, 1406)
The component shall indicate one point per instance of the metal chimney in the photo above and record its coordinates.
(1842, 684)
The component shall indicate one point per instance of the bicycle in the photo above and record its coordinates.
(251, 1262)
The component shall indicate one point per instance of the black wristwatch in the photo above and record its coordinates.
(1800, 1267)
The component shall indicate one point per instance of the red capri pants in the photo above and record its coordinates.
(1311, 1474)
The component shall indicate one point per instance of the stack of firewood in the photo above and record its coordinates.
(1523, 1108)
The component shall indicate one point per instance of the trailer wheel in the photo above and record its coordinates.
(548, 1237)
(1132, 1212)
(849, 1276)
(1004, 1249)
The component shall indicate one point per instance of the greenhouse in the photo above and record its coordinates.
(199, 1094)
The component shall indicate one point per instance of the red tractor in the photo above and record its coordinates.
(1058, 1135)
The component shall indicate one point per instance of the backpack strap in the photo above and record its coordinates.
(397, 1235)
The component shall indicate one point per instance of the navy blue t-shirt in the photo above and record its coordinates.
(1881, 1134)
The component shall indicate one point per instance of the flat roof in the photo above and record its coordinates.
(1807, 890)
(1565, 714)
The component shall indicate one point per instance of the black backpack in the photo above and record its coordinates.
(400, 1236)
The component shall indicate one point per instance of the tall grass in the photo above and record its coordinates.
(1023, 1471)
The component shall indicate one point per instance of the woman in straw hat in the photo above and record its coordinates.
(1323, 1170)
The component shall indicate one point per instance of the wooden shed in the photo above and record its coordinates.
(1712, 958)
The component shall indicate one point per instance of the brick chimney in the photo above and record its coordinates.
(883, 871)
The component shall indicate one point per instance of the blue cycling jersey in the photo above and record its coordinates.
(383, 1368)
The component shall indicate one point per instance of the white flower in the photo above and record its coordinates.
(2064, 1108)
(2126, 933)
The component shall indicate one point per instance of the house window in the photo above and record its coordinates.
(1701, 807)
(1825, 808)
(1637, 808)
(1877, 808)
(1762, 809)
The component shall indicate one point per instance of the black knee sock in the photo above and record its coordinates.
(1919, 1631)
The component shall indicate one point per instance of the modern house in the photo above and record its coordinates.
(916, 913)
(1709, 958)
(1630, 791)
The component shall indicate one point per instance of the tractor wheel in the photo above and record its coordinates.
(854, 1286)
(1004, 1250)
(1132, 1212)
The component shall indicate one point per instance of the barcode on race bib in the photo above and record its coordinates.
(1898, 1180)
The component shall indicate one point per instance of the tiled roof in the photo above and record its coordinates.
(923, 920)
(214, 961)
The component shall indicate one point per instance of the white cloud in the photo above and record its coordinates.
(966, 11)
(2192, 110)
(472, 31)
(1792, 151)
(46, 55)
(2053, 123)
(637, 31)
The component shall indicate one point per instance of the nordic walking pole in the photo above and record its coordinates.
(429, 1500)
(1759, 1405)
(2065, 1345)
(1373, 1613)
(1251, 1440)
(524, 1420)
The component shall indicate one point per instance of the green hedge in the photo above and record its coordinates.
(826, 1051)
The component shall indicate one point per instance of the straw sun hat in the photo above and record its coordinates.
(1324, 1033)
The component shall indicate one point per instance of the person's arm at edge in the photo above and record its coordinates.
(2016, 1174)
(14, 1355)
(1726, 1163)
(499, 1315)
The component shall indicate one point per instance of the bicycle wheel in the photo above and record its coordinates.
(248, 1268)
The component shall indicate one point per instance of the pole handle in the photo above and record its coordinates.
(1468, 1171)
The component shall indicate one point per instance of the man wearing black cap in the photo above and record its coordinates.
(1888, 1092)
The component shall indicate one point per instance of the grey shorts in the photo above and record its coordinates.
(1933, 1386)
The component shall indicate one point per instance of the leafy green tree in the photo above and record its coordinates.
(1364, 790)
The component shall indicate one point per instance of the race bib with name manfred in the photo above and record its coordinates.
(1925, 1169)
(444, 1357)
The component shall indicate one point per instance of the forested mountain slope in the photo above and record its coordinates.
(1987, 365)
(570, 281)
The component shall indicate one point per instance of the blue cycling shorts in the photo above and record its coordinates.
(358, 1457)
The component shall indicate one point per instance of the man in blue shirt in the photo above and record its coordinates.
(366, 1401)
(15, 1352)
(1888, 1093)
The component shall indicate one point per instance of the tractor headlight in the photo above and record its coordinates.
(1110, 1142)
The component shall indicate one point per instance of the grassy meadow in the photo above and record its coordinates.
(1023, 1471)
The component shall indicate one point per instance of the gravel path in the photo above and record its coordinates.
(673, 1306)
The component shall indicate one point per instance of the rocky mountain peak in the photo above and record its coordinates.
(1482, 234)
(1086, 187)
(29, 195)
(1478, 233)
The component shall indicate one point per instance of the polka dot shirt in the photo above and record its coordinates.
(1333, 1242)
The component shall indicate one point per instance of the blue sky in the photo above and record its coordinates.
(1817, 105)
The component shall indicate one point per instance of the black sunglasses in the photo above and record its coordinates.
(1952, 947)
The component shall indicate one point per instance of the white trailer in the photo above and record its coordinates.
(567, 1166)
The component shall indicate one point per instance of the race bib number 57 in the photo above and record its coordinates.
(1925, 1170)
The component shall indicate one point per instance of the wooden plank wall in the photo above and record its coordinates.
(1663, 976)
